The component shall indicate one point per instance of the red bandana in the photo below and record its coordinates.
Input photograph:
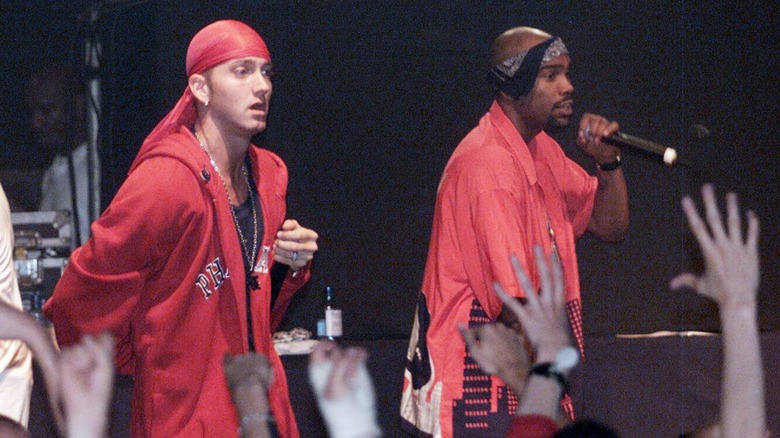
(222, 41)
(214, 44)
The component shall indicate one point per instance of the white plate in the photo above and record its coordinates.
(296, 347)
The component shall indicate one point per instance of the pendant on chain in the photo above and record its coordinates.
(251, 280)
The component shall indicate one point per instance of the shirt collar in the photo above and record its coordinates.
(514, 142)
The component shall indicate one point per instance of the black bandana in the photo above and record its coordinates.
(516, 76)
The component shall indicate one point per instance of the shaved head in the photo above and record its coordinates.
(530, 75)
(513, 41)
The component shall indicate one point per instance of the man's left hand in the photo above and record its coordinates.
(295, 245)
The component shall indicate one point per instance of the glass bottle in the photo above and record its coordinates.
(333, 323)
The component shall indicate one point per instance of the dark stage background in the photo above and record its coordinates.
(372, 97)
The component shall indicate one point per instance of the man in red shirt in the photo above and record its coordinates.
(507, 187)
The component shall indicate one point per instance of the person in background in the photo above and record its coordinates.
(16, 377)
(55, 100)
(178, 266)
(507, 188)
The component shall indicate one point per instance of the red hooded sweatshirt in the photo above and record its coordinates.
(164, 273)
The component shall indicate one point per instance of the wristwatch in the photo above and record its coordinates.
(566, 359)
(606, 167)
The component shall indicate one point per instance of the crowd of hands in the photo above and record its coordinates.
(79, 378)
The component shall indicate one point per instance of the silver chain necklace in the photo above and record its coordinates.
(248, 256)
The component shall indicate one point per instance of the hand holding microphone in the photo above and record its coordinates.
(621, 139)
(593, 129)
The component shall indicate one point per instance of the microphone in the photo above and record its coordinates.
(669, 155)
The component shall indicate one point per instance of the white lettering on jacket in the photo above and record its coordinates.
(213, 274)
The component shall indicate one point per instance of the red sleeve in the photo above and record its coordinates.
(292, 282)
(105, 279)
(531, 426)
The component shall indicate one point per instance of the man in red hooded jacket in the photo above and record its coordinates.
(178, 265)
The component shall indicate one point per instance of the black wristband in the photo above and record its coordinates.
(546, 369)
(606, 167)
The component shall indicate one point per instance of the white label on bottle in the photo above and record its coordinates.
(332, 322)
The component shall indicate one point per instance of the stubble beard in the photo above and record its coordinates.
(558, 122)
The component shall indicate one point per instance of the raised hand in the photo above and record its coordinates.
(87, 380)
(731, 273)
(543, 316)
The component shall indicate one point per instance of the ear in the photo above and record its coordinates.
(199, 87)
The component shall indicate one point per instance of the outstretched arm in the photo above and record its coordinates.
(731, 279)
(79, 380)
(87, 382)
(248, 377)
(15, 324)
